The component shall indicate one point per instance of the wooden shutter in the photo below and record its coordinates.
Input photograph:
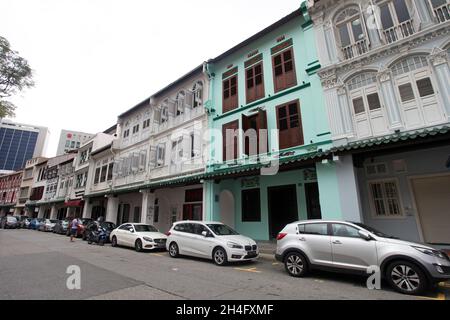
(229, 140)
(157, 116)
(284, 70)
(245, 127)
(289, 125)
(263, 143)
(152, 157)
(171, 108)
(230, 94)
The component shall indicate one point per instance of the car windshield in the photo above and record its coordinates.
(222, 230)
(108, 225)
(145, 228)
(374, 231)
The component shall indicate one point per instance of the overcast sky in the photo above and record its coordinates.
(94, 59)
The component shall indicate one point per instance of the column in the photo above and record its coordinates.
(41, 212)
(389, 98)
(439, 61)
(148, 201)
(334, 110)
(338, 188)
(345, 110)
(212, 208)
(53, 212)
(112, 208)
(87, 209)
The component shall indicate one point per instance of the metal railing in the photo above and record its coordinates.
(355, 49)
(442, 13)
(400, 31)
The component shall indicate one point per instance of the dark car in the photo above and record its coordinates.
(35, 223)
(61, 227)
(21, 220)
(93, 225)
(9, 222)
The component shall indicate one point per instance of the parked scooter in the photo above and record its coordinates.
(98, 236)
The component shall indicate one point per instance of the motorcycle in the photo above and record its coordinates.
(98, 236)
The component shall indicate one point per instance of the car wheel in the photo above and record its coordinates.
(220, 257)
(174, 252)
(114, 241)
(138, 245)
(406, 277)
(296, 264)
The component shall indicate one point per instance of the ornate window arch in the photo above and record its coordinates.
(417, 91)
(351, 32)
(368, 113)
(396, 19)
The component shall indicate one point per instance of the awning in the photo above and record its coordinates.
(74, 203)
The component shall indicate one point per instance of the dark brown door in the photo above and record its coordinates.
(282, 208)
(230, 140)
(256, 122)
(313, 201)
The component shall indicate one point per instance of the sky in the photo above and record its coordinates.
(95, 59)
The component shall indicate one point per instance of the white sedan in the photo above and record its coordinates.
(138, 236)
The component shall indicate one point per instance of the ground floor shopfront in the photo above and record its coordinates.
(407, 193)
(259, 206)
(159, 207)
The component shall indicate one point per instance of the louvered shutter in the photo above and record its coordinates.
(152, 157)
(189, 99)
(197, 143)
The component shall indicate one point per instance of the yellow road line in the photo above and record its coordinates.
(248, 270)
(439, 297)
(157, 254)
(275, 263)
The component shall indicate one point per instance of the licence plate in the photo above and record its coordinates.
(251, 254)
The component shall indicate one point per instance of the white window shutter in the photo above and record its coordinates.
(171, 108)
(197, 144)
(189, 99)
(142, 159)
(134, 162)
(186, 145)
(161, 154)
(152, 157)
(157, 116)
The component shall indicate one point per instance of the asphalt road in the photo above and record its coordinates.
(33, 265)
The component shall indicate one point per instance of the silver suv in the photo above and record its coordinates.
(344, 246)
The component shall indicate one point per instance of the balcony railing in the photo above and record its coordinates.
(442, 13)
(355, 49)
(398, 32)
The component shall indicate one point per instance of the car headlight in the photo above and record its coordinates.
(435, 253)
(148, 239)
(234, 245)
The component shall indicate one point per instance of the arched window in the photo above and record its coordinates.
(351, 33)
(396, 19)
(198, 94)
(441, 9)
(418, 101)
(368, 113)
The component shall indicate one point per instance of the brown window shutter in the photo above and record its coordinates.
(228, 141)
(262, 125)
(284, 70)
(289, 125)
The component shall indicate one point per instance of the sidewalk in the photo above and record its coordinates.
(267, 247)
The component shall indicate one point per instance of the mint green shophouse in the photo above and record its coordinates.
(269, 81)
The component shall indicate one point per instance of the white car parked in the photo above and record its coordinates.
(138, 236)
(211, 240)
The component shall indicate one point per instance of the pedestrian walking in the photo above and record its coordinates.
(73, 228)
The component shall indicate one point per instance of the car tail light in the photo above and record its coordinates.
(168, 233)
(281, 236)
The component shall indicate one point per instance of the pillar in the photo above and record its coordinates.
(439, 61)
(338, 188)
(87, 209)
(148, 201)
(53, 212)
(390, 100)
(212, 194)
(112, 209)
(41, 212)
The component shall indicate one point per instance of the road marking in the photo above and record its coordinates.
(444, 284)
(439, 297)
(248, 270)
(157, 254)
(275, 263)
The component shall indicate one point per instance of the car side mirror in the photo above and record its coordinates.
(365, 235)
(205, 234)
(131, 230)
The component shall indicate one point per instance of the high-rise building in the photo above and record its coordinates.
(19, 143)
(71, 140)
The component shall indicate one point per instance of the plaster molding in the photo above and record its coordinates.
(438, 57)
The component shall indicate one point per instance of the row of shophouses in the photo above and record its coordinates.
(350, 101)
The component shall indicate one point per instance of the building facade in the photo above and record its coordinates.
(70, 140)
(9, 192)
(19, 143)
(385, 74)
(268, 164)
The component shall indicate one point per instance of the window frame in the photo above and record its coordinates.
(236, 154)
(373, 212)
(248, 91)
(288, 119)
(228, 103)
(283, 64)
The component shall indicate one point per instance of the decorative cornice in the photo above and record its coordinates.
(438, 56)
